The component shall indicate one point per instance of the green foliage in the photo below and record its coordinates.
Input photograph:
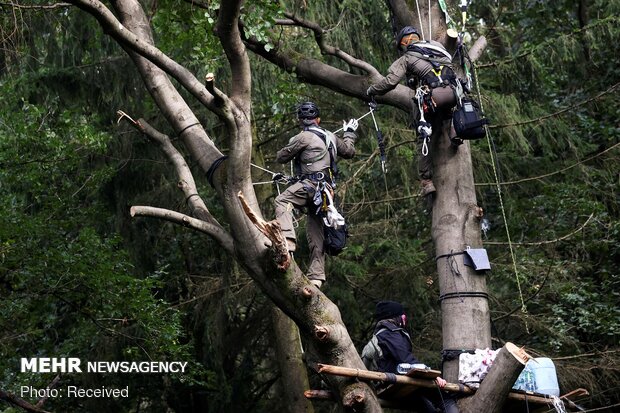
(77, 278)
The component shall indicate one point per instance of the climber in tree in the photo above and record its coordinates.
(314, 152)
(428, 69)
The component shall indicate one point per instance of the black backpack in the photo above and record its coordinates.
(335, 239)
(469, 120)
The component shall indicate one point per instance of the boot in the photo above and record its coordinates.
(291, 244)
(427, 187)
(317, 283)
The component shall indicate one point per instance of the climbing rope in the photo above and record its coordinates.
(430, 30)
(420, 19)
(558, 404)
(424, 128)
(501, 201)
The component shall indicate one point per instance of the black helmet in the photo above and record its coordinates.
(308, 110)
(405, 37)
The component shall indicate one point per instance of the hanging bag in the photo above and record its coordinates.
(469, 120)
(335, 239)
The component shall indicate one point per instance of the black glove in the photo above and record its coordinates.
(277, 177)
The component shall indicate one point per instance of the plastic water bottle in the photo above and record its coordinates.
(403, 368)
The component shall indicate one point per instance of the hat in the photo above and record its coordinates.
(388, 309)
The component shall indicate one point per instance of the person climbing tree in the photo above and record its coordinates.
(314, 152)
(391, 345)
(427, 66)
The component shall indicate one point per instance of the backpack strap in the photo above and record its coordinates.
(330, 147)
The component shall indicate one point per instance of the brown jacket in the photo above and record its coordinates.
(312, 152)
(411, 64)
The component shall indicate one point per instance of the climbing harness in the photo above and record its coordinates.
(424, 128)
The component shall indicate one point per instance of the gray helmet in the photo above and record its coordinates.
(308, 110)
(404, 35)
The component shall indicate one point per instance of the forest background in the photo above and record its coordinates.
(79, 277)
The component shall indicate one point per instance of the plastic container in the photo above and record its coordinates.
(403, 368)
(525, 381)
(545, 376)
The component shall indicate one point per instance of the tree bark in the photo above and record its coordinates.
(466, 323)
(294, 377)
(495, 387)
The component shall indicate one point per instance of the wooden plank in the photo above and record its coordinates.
(575, 394)
(399, 391)
(424, 373)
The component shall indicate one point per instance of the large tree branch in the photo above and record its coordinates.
(16, 401)
(214, 231)
(186, 179)
(319, 73)
(227, 29)
(128, 39)
(166, 96)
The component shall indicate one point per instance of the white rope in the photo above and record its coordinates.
(358, 119)
(430, 31)
(558, 404)
(425, 147)
(262, 169)
(420, 19)
(419, 96)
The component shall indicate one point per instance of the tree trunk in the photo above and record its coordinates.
(294, 376)
(456, 225)
(498, 382)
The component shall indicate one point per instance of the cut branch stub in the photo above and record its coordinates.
(354, 399)
(307, 292)
(273, 232)
(321, 333)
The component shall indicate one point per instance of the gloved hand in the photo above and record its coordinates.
(277, 177)
(350, 126)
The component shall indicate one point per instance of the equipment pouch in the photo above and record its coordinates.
(335, 239)
(469, 121)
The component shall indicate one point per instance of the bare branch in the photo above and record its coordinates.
(16, 401)
(227, 29)
(315, 72)
(186, 179)
(43, 399)
(214, 231)
(331, 50)
(40, 7)
(120, 33)
(551, 241)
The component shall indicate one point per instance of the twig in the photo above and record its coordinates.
(518, 181)
(559, 112)
(544, 242)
